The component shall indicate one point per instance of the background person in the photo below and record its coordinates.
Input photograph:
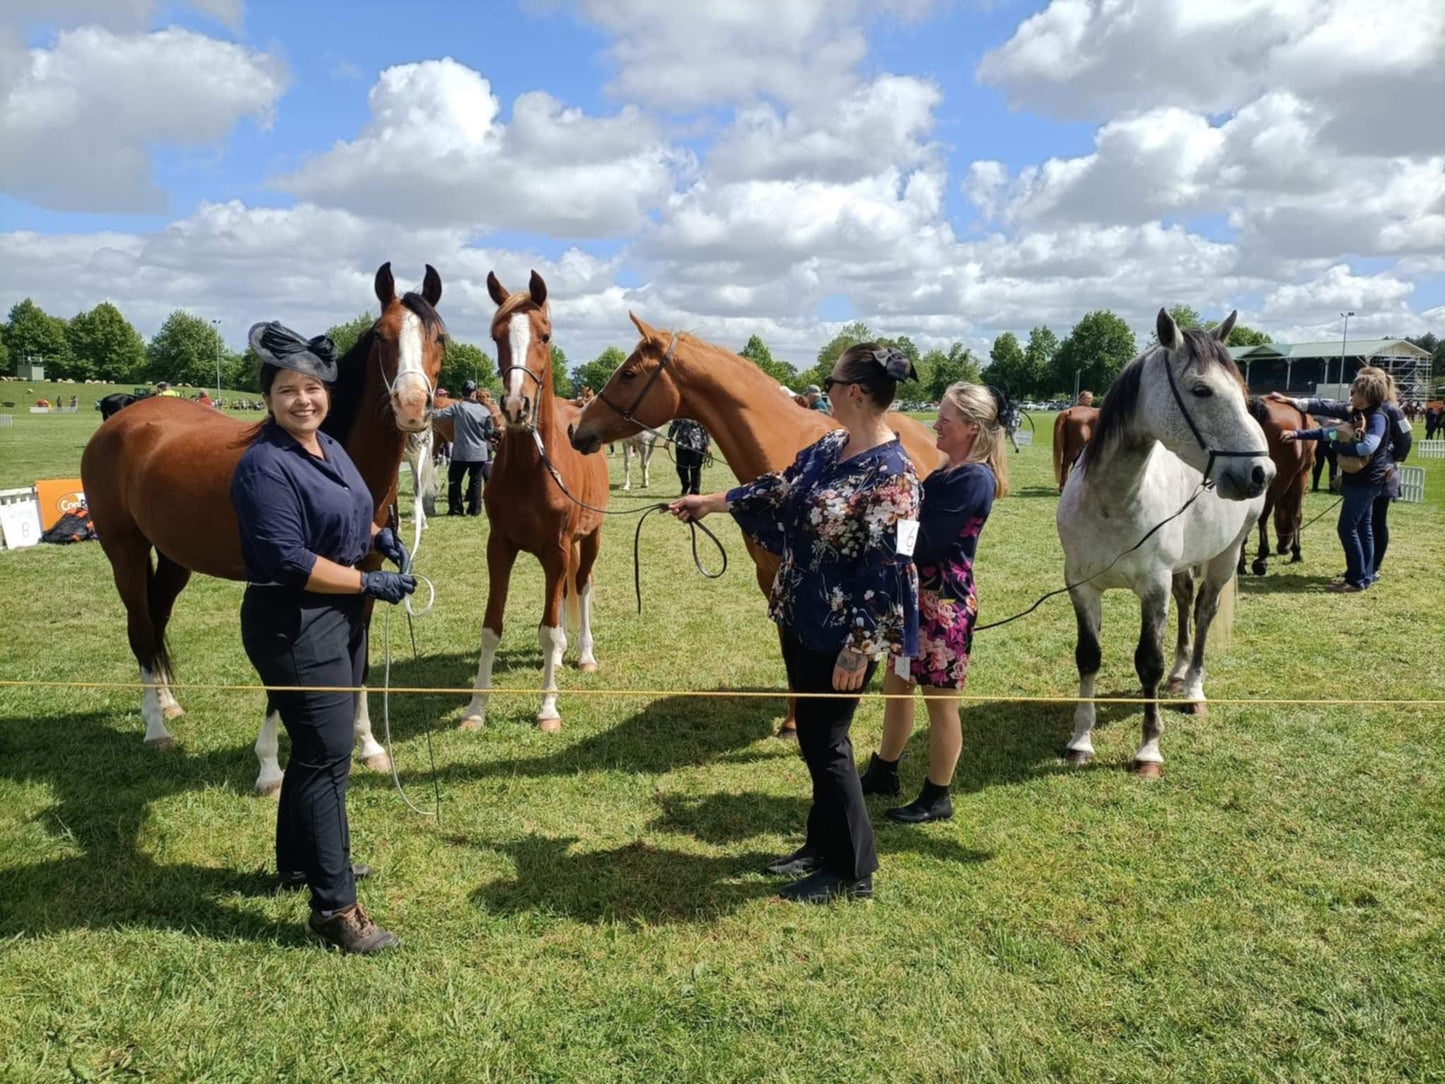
(471, 450)
(816, 400)
(846, 596)
(305, 523)
(957, 499)
(690, 443)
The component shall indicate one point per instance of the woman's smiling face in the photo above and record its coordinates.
(298, 402)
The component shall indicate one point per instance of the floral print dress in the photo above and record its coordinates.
(842, 581)
(956, 503)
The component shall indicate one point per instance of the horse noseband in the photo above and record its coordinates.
(628, 415)
(1198, 436)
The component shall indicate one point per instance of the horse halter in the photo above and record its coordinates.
(628, 414)
(390, 385)
(1213, 453)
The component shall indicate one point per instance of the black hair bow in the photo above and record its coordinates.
(895, 363)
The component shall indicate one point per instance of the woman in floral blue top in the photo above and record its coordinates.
(957, 498)
(846, 595)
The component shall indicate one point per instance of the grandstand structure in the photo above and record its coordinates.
(1323, 367)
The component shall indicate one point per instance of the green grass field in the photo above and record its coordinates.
(590, 905)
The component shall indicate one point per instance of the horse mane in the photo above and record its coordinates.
(506, 308)
(430, 319)
(1122, 398)
(1258, 410)
(346, 392)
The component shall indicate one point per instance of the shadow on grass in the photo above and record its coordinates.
(1036, 491)
(113, 882)
(1292, 582)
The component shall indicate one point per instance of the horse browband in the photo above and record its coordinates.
(627, 415)
(1198, 436)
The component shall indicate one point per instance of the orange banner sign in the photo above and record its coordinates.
(57, 497)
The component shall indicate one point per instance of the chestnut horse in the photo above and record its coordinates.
(158, 476)
(1293, 461)
(1072, 430)
(756, 429)
(526, 508)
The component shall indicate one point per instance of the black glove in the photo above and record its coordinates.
(389, 546)
(387, 586)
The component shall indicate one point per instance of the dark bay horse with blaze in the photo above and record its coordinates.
(1293, 461)
(1072, 430)
(158, 477)
(526, 508)
(757, 429)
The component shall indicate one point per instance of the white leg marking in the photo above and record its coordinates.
(1181, 666)
(626, 467)
(1194, 685)
(170, 708)
(268, 752)
(1082, 741)
(1149, 753)
(585, 657)
(553, 641)
(476, 714)
(368, 749)
(151, 713)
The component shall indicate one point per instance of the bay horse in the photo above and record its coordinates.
(1177, 417)
(158, 476)
(1293, 461)
(675, 375)
(526, 508)
(1072, 429)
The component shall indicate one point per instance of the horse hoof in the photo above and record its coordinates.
(552, 725)
(1295, 559)
(380, 763)
(160, 745)
(1197, 708)
(1175, 685)
(1148, 769)
(172, 711)
(472, 722)
(587, 667)
(787, 733)
(1078, 756)
(1259, 568)
(271, 790)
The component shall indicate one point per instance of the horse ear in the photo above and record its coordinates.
(642, 329)
(385, 285)
(1222, 331)
(538, 289)
(431, 286)
(495, 288)
(1168, 331)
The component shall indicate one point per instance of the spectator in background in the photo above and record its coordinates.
(691, 443)
(471, 450)
(1086, 398)
(817, 400)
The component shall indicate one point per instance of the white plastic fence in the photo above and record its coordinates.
(6, 421)
(1430, 449)
(1412, 484)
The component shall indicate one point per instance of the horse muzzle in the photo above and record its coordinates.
(584, 442)
(1245, 479)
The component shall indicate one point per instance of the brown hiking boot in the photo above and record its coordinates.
(350, 930)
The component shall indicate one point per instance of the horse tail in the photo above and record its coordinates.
(571, 589)
(1059, 448)
(1221, 629)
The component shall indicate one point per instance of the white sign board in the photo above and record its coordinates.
(1024, 437)
(20, 520)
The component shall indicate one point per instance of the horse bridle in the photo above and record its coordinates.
(1213, 453)
(390, 385)
(629, 415)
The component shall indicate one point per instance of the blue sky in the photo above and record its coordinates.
(943, 169)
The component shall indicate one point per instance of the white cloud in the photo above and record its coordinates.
(436, 152)
(77, 123)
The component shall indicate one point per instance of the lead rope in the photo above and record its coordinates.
(436, 810)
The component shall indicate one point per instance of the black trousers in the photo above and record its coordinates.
(689, 469)
(298, 638)
(838, 828)
(1380, 528)
(480, 471)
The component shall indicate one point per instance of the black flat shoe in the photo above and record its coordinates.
(881, 777)
(800, 862)
(934, 804)
(822, 886)
(294, 879)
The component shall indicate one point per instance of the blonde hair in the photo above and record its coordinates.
(1374, 384)
(975, 403)
(1392, 394)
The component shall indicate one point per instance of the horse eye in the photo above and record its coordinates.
(1202, 391)
(547, 338)
(627, 374)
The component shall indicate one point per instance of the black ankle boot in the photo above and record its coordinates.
(933, 804)
(881, 776)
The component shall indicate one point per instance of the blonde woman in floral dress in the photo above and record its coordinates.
(957, 499)
(846, 595)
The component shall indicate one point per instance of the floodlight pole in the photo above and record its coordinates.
(1343, 337)
(217, 325)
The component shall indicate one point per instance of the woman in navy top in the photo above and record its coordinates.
(846, 596)
(957, 498)
(1358, 489)
(306, 521)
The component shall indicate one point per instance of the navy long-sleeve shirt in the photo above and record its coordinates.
(294, 507)
(1377, 428)
(956, 504)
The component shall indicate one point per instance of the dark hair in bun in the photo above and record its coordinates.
(878, 370)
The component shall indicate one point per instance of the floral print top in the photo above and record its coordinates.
(842, 581)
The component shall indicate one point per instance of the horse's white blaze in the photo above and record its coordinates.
(408, 353)
(477, 709)
(366, 744)
(584, 636)
(1082, 741)
(519, 340)
(553, 641)
(268, 751)
(150, 708)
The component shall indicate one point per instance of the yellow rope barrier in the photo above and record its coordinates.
(705, 693)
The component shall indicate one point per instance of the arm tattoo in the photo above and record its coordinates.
(850, 661)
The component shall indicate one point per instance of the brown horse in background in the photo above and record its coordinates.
(527, 510)
(757, 429)
(1286, 496)
(1073, 429)
(158, 476)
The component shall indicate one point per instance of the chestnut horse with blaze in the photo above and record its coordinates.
(1293, 461)
(1073, 429)
(526, 508)
(157, 477)
(757, 430)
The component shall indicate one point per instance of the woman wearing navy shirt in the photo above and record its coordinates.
(957, 499)
(846, 596)
(306, 521)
